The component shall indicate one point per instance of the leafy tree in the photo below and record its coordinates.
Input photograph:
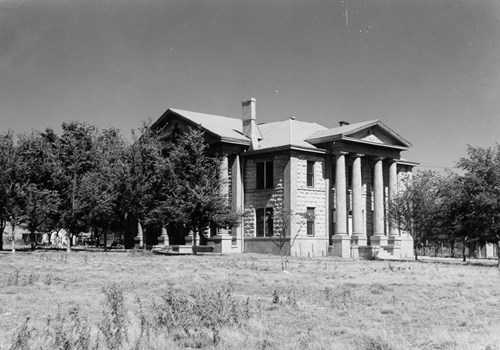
(140, 180)
(37, 196)
(481, 193)
(98, 192)
(414, 208)
(77, 158)
(191, 196)
(450, 211)
(8, 186)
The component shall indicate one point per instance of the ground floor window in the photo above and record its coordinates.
(310, 221)
(264, 222)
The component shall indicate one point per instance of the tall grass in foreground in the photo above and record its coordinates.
(172, 320)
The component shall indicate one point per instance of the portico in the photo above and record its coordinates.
(367, 167)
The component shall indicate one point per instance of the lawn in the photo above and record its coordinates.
(136, 300)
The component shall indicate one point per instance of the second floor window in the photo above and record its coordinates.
(264, 175)
(310, 173)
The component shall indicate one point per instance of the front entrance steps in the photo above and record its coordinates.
(391, 248)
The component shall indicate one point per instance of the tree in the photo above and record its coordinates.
(98, 192)
(481, 193)
(10, 204)
(191, 196)
(140, 180)
(7, 164)
(76, 155)
(38, 200)
(283, 219)
(414, 208)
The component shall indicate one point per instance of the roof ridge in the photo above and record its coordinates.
(202, 113)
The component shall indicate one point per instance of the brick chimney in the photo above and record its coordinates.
(250, 128)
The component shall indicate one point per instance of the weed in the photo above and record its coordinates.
(192, 317)
(144, 324)
(48, 279)
(338, 299)
(13, 278)
(20, 340)
(375, 341)
(371, 254)
(113, 326)
(305, 339)
(276, 297)
(68, 330)
(289, 297)
(378, 288)
(32, 278)
(387, 310)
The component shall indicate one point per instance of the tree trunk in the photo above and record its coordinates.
(2, 227)
(416, 253)
(452, 247)
(498, 253)
(13, 242)
(96, 237)
(283, 267)
(105, 238)
(463, 250)
(194, 242)
(32, 240)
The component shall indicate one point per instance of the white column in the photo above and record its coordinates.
(237, 199)
(341, 241)
(224, 183)
(358, 234)
(340, 192)
(378, 237)
(393, 189)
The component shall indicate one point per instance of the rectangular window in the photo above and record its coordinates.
(265, 222)
(310, 221)
(310, 173)
(261, 175)
(264, 175)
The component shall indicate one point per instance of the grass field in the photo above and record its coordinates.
(135, 300)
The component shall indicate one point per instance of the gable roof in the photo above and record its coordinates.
(288, 132)
(228, 129)
(350, 131)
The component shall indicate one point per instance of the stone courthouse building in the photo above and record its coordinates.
(340, 179)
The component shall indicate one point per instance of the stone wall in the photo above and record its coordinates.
(262, 198)
(290, 188)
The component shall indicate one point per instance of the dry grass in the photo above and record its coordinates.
(322, 304)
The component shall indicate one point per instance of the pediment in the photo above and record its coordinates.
(372, 132)
(377, 134)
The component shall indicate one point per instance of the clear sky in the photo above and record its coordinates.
(429, 69)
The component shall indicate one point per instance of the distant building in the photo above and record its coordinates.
(342, 177)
